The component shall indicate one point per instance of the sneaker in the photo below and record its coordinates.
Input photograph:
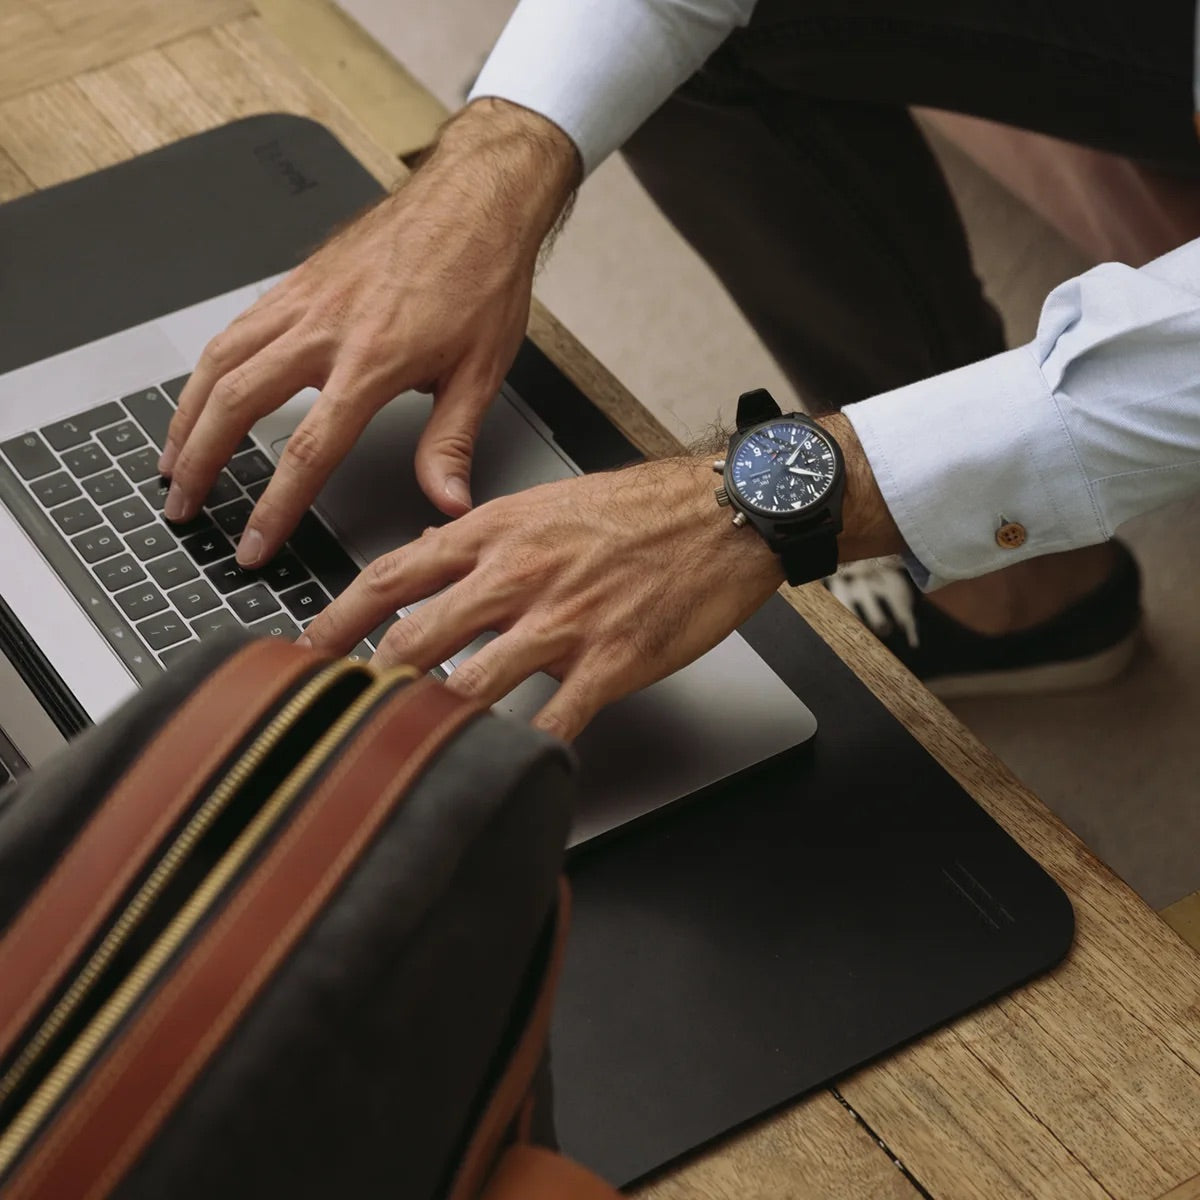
(1087, 644)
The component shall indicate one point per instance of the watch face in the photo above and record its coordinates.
(783, 467)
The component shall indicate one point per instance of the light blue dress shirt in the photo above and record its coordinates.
(1095, 421)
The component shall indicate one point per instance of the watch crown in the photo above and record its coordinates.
(722, 497)
(719, 465)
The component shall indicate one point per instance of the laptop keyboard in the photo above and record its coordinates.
(87, 492)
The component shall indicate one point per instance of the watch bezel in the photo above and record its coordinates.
(795, 516)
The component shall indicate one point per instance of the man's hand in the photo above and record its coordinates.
(428, 290)
(606, 582)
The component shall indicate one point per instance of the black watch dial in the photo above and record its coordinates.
(783, 467)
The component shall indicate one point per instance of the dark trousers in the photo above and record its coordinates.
(792, 165)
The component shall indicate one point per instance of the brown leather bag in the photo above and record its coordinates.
(283, 926)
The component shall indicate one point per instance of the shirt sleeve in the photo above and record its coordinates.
(599, 68)
(1094, 422)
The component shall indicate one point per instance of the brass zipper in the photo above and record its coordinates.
(80, 1054)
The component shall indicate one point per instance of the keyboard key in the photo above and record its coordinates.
(305, 601)
(228, 577)
(171, 657)
(361, 653)
(162, 631)
(173, 569)
(86, 459)
(282, 572)
(107, 487)
(120, 439)
(75, 516)
(55, 489)
(141, 601)
(174, 387)
(253, 603)
(97, 544)
(155, 490)
(251, 467)
(207, 547)
(256, 489)
(376, 634)
(153, 412)
(128, 514)
(76, 430)
(150, 542)
(194, 599)
(198, 524)
(214, 624)
(280, 625)
(141, 464)
(223, 491)
(117, 573)
(29, 455)
(232, 517)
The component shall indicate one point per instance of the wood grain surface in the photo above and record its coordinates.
(1085, 1083)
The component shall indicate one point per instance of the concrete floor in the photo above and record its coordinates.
(1119, 765)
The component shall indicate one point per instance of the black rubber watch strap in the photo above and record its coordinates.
(809, 556)
(753, 407)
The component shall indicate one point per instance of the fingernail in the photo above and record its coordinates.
(176, 506)
(169, 455)
(457, 490)
(250, 548)
(305, 641)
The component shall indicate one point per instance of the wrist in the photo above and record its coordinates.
(868, 530)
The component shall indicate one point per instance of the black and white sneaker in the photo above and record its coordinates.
(1087, 644)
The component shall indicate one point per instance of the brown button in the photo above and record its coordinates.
(1010, 535)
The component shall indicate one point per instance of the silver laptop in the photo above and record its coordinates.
(112, 596)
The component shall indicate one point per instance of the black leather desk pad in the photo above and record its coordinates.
(739, 950)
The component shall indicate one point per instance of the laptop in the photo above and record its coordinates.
(112, 595)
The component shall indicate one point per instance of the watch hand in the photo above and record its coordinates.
(802, 471)
(794, 455)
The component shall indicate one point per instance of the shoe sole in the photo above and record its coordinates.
(1073, 676)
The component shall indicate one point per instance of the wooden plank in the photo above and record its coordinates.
(55, 134)
(815, 1151)
(1184, 917)
(1185, 1191)
(148, 101)
(397, 112)
(57, 39)
(13, 181)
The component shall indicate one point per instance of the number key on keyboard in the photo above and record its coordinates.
(120, 439)
(55, 489)
(150, 542)
(97, 544)
(141, 601)
(107, 487)
(29, 455)
(120, 572)
(86, 459)
(194, 599)
(253, 602)
(141, 464)
(128, 514)
(207, 547)
(306, 600)
(75, 517)
(163, 631)
(76, 430)
(173, 569)
(171, 656)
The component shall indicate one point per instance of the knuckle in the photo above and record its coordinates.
(220, 351)
(306, 447)
(399, 640)
(229, 392)
(471, 678)
(380, 576)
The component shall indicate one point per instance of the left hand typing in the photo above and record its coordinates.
(606, 582)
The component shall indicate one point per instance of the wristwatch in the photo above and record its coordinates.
(785, 476)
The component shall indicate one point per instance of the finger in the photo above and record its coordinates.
(495, 669)
(570, 709)
(440, 628)
(255, 328)
(315, 447)
(236, 401)
(444, 453)
(398, 579)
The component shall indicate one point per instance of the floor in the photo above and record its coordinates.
(1119, 765)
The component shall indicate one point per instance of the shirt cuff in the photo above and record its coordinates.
(598, 68)
(959, 455)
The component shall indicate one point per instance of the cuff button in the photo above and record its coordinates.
(1010, 535)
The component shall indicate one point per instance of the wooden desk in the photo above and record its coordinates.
(1085, 1083)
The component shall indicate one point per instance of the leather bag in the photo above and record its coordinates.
(283, 926)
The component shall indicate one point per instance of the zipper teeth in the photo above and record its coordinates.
(29, 1118)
